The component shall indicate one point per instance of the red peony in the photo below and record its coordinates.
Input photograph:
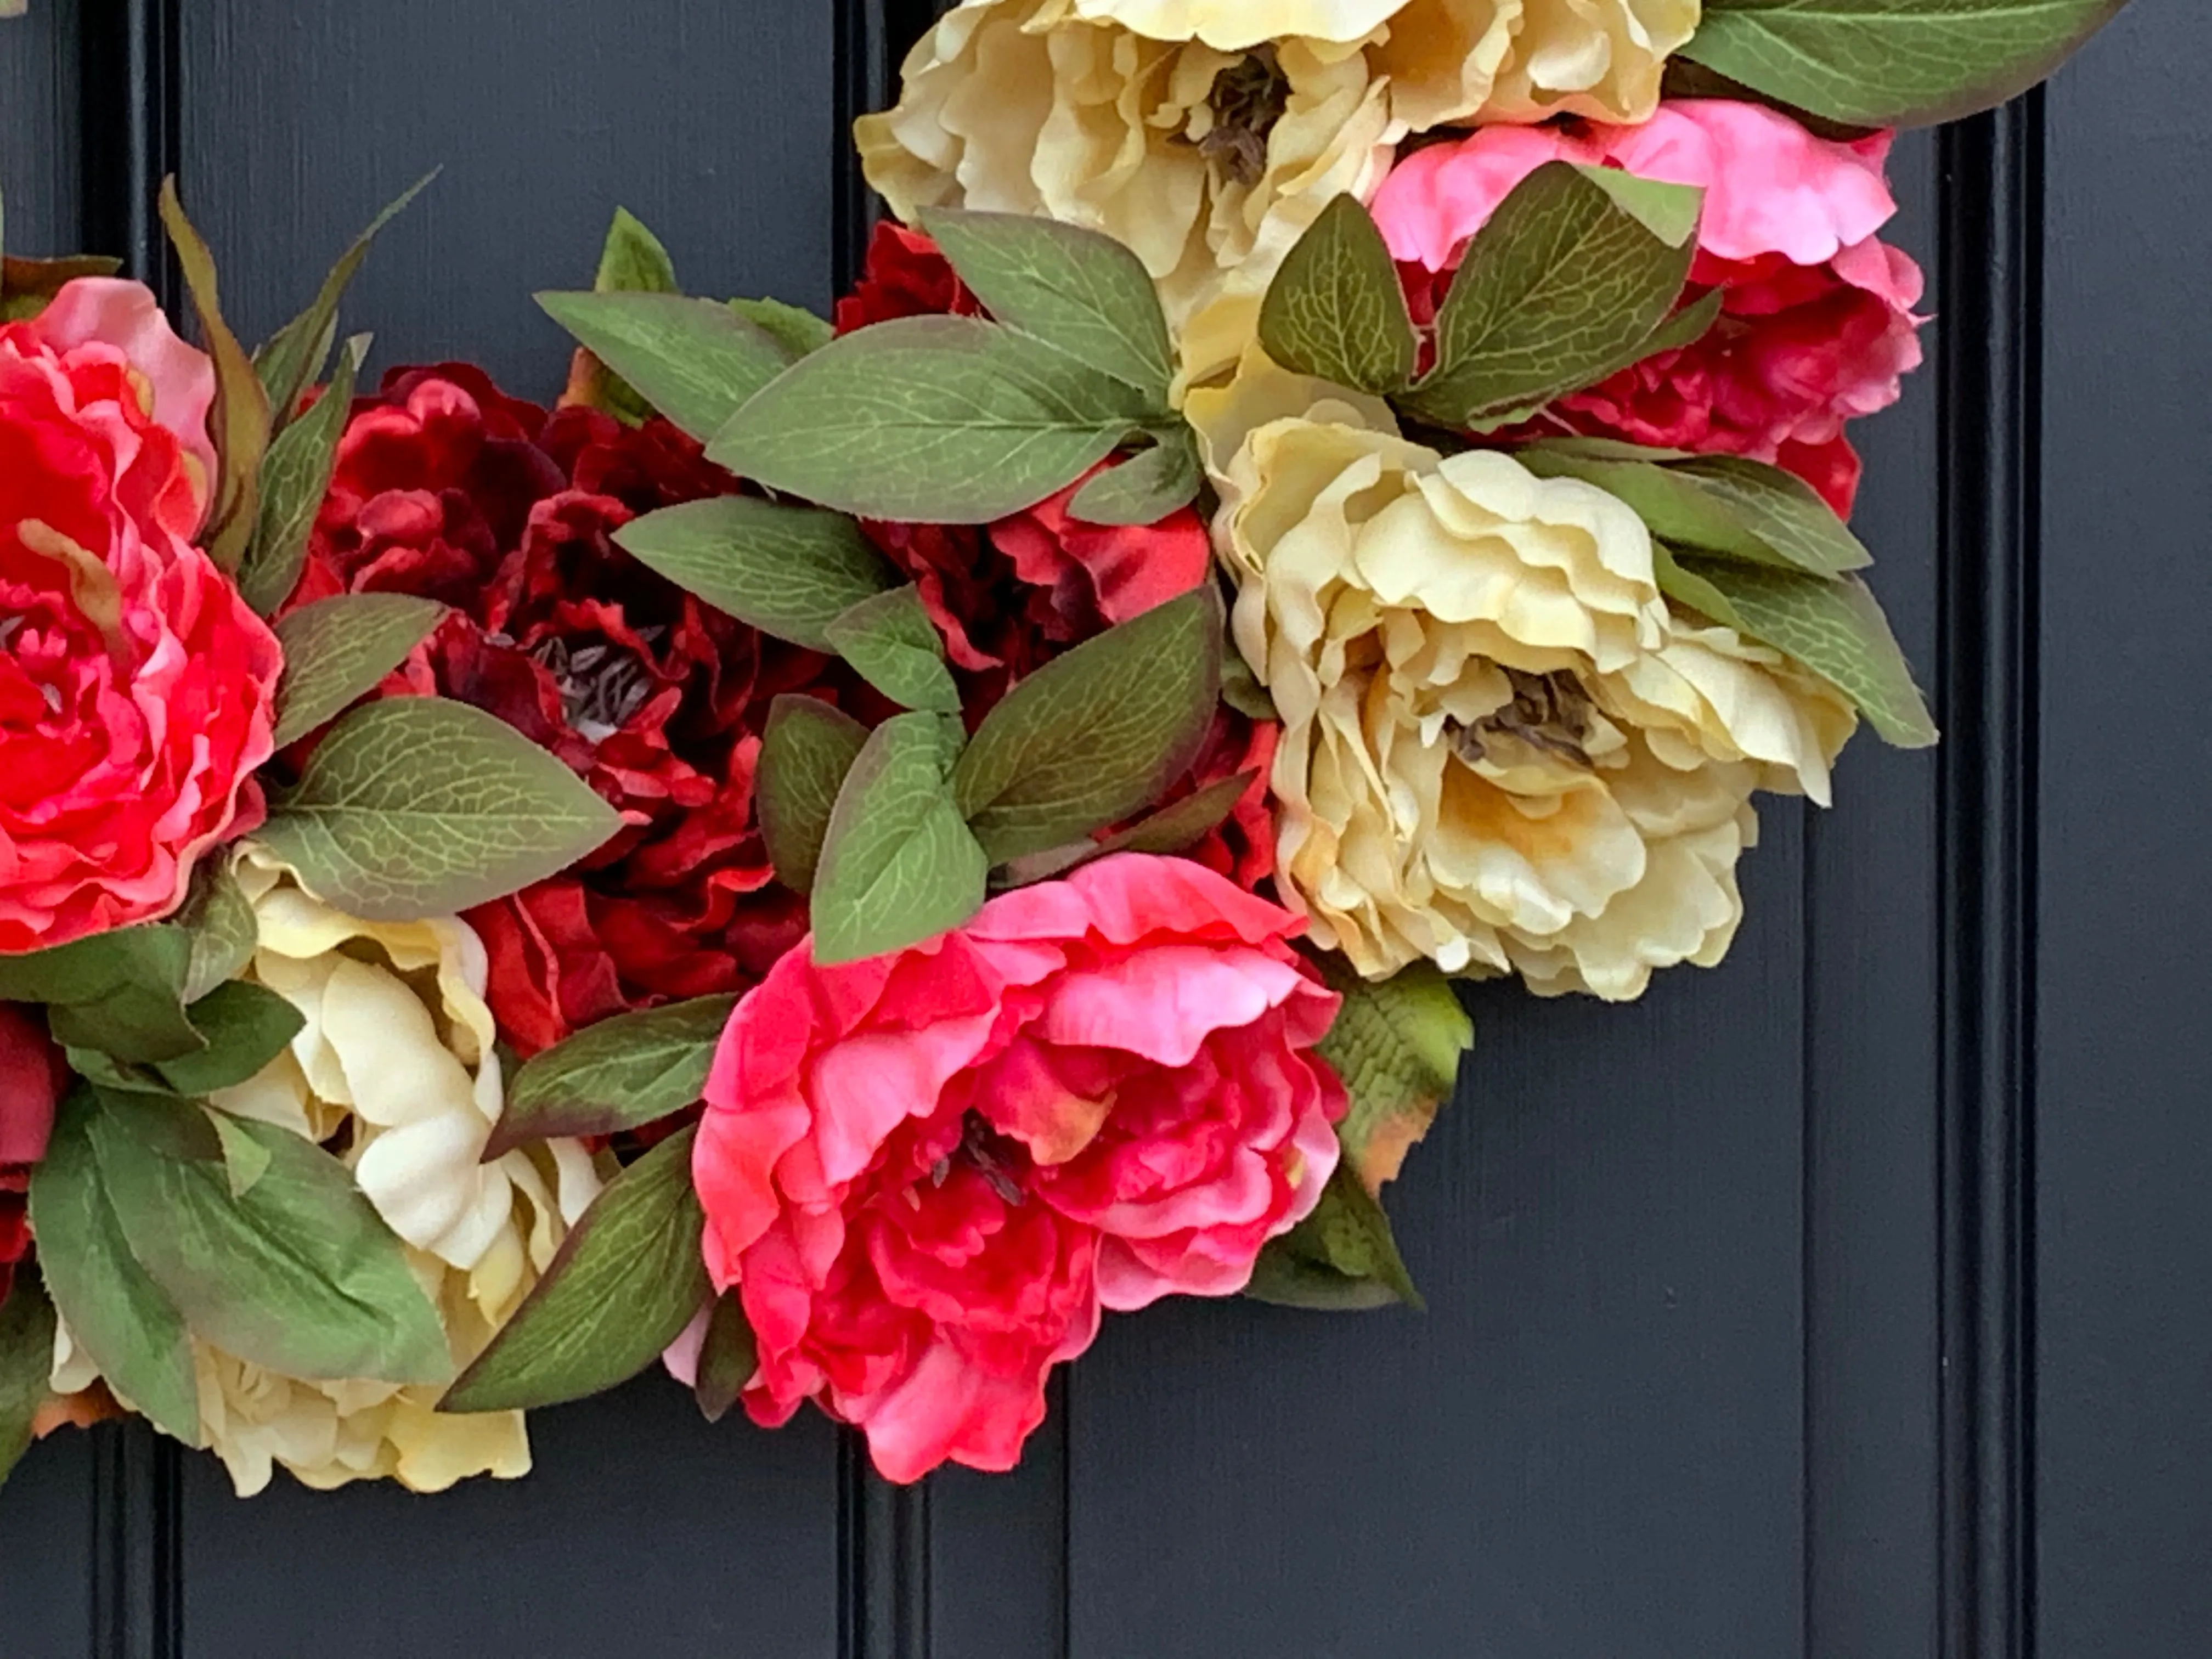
(447, 487)
(1816, 326)
(905, 276)
(31, 1078)
(137, 690)
(927, 1173)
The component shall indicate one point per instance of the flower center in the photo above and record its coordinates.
(985, 1150)
(602, 685)
(1247, 99)
(1549, 712)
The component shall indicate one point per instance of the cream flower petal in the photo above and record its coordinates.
(1239, 25)
(1502, 750)
(397, 1048)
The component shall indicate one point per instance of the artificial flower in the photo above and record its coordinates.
(903, 275)
(927, 1173)
(1208, 134)
(137, 688)
(396, 1068)
(1816, 326)
(444, 486)
(1502, 750)
(32, 1075)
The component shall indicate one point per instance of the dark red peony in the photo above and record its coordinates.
(31, 1079)
(448, 488)
(905, 276)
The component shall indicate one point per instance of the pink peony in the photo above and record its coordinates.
(1817, 325)
(136, 689)
(927, 1173)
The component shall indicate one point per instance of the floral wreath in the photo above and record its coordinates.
(848, 849)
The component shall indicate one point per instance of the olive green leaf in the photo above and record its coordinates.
(789, 571)
(1836, 629)
(632, 260)
(295, 478)
(1397, 1045)
(795, 328)
(298, 1273)
(1342, 1258)
(246, 1027)
(1075, 291)
(339, 649)
(419, 806)
(945, 420)
(898, 864)
(891, 642)
(806, 749)
(27, 1362)
(239, 422)
(620, 1073)
(1336, 310)
(221, 926)
(1146, 487)
(292, 359)
(28, 286)
(1097, 734)
(696, 360)
(120, 993)
(728, 1359)
(622, 1287)
(1571, 278)
(1894, 63)
(115, 1311)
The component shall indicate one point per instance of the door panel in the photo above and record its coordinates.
(1679, 1389)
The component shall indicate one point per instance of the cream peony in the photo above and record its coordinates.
(397, 1052)
(1502, 750)
(1207, 134)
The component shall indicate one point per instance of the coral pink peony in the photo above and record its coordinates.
(136, 689)
(927, 1173)
(1817, 325)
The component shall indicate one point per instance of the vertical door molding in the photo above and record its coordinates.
(1991, 382)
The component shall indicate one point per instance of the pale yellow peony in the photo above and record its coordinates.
(397, 1051)
(1503, 751)
(1208, 134)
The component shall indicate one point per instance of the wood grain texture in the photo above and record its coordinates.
(2124, 1078)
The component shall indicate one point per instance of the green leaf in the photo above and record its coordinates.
(789, 571)
(891, 642)
(696, 360)
(1695, 592)
(119, 993)
(417, 806)
(1570, 277)
(633, 260)
(246, 1026)
(797, 330)
(114, 1310)
(292, 360)
(1075, 291)
(898, 865)
(1097, 734)
(625, 1282)
(728, 1359)
(1172, 829)
(298, 1273)
(806, 750)
(1347, 1237)
(239, 422)
(943, 420)
(245, 1159)
(1397, 1046)
(620, 1073)
(222, 929)
(1241, 690)
(1894, 63)
(27, 286)
(1720, 504)
(1834, 627)
(27, 1362)
(1336, 310)
(294, 481)
(1146, 487)
(339, 649)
